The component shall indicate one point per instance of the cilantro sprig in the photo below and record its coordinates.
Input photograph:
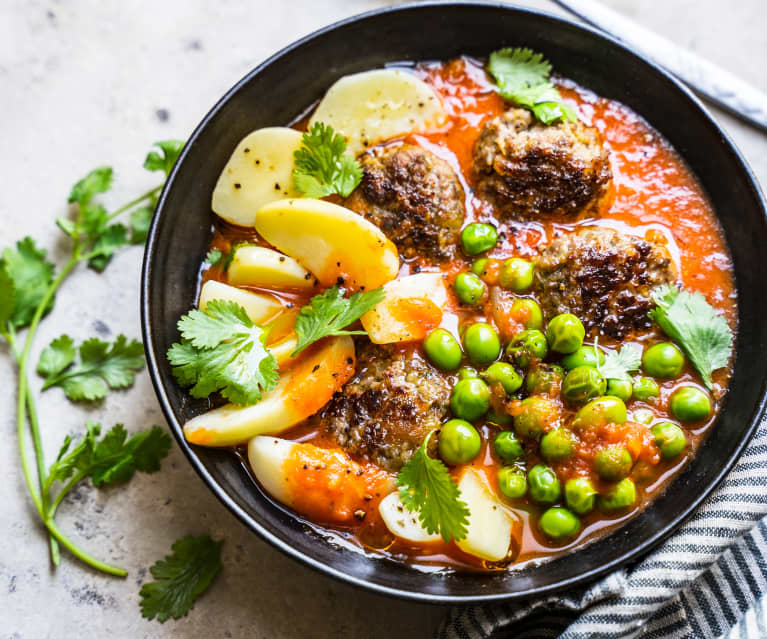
(180, 578)
(329, 313)
(29, 283)
(427, 488)
(619, 364)
(223, 350)
(322, 166)
(522, 77)
(102, 366)
(688, 319)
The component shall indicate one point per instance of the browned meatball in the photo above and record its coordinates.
(530, 170)
(414, 197)
(603, 277)
(384, 413)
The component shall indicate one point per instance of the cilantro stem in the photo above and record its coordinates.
(21, 417)
(125, 207)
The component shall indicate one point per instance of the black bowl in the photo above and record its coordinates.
(280, 89)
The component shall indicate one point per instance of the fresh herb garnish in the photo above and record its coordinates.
(102, 366)
(330, 313)
(426, 487)
(619, 363)
(180, 578)
(688, 319)
(28, 287)
(213, 257)
(322, 166)
(522, 77)
(223, 350)
(113, 459)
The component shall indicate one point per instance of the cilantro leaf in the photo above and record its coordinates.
(213, 257)
(619, 363)
(181, 578)
(330, 312)
(522, 77)
(166, 158)
(29, 274)
(111, 238)
(426, 487)
(140, 220)
(7, 299)
(322, 166)
(102, 366)
(112, 460)
(97, 181)
(222, 350)
(688, 319)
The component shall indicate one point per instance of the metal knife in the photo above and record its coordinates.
(710, 81)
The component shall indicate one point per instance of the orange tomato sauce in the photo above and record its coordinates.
(655, 196)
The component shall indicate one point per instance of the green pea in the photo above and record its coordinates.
(565, 333)
(478, 237)
(670, 439)
(479, 266)
(535, 414)
(501, 419)
(583, 383)
(643, 416)
(527, 312)
(544, 378)
(505, 375)
(517, 274)
(469, 289)
(580, 495)
(690, 404)
(664, 361)
(442, 349)
(557, 444)
(482, 343)
(559, 523)
(470, 399)
(620, 388)
(544, 484)
(466, 372)
(601, 411)
(584, 356)
(613, 463)
(526, 347)
(459, 442)
(645, 388)
(621, 495)
(512, 482)
(508, 447)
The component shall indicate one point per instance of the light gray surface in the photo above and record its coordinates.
(85, 83)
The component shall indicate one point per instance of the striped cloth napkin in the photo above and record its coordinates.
(707, 580)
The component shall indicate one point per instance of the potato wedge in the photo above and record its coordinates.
(259, 171)
(403, 523)
(320, 371)
(373, 106)
(412, 307)
(326, 485)
(260, 266)
(334, 243)
(260, 307)
(490, 526)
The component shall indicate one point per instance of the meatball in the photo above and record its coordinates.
(414, 197)
(384, 413)
(530, 170)
(604, 277)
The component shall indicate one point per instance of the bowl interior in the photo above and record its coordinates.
(280, 89)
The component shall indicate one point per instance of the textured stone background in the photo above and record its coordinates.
(84, 83)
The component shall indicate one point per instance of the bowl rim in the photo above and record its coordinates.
(327, 569)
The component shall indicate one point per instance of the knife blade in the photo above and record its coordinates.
(707, 79)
